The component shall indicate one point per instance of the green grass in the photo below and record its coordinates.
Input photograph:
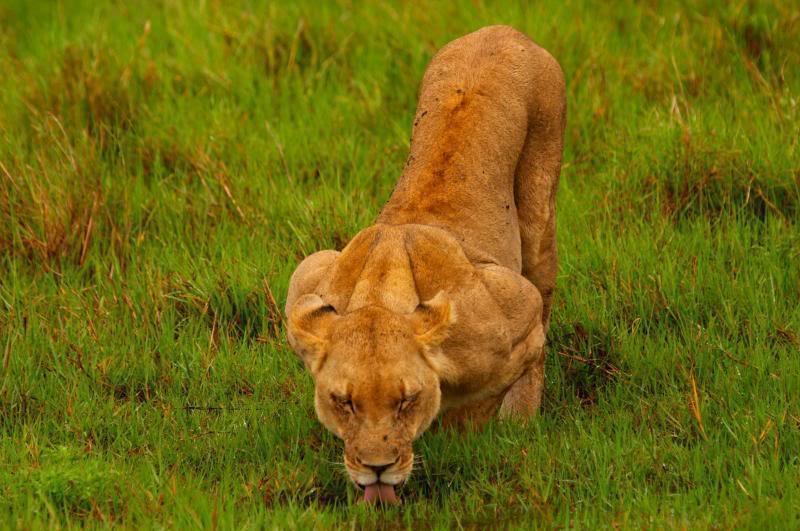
(166, 166)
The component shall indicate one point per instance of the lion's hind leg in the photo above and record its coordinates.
(537, 172)
(535, 195)
(535, 186)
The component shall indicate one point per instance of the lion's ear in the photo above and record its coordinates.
(432, 320)
(309, 324)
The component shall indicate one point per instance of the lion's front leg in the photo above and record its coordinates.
(472, 415)
(525, 395)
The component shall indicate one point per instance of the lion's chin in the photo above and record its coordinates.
(380, 493)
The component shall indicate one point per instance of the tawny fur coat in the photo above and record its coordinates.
(471, 224)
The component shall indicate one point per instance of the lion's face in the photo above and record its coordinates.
(376, 381)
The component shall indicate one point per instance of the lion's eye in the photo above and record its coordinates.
(344, 403)
(406, 403)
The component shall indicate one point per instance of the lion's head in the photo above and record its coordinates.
(376, 376)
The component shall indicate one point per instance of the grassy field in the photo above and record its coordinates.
(164, 167)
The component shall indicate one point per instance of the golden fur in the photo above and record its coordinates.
(442, 306)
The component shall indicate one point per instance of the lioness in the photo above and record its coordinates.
(441, 306)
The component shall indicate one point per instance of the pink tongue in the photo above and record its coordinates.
(379, 492)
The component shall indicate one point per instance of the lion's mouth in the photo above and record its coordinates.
(380, 493)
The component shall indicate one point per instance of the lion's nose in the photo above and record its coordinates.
(379, 469)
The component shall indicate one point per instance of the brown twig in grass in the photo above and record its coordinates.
(732, 358)
(279, 147)
(97, 512)
(764, 432)
(87, 235)
(694, 405)
(199, 407)
(209, 432)
(291, 64)
(7, 173)
(613, 371)
(204, 408)
(218, 169)
(222, 181)
(769, 203)
(7, 353)
(275, 314)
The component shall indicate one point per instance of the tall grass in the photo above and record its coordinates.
(165, 165)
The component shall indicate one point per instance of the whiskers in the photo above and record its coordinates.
(339, 467)
(400, 473)
(418, 463)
